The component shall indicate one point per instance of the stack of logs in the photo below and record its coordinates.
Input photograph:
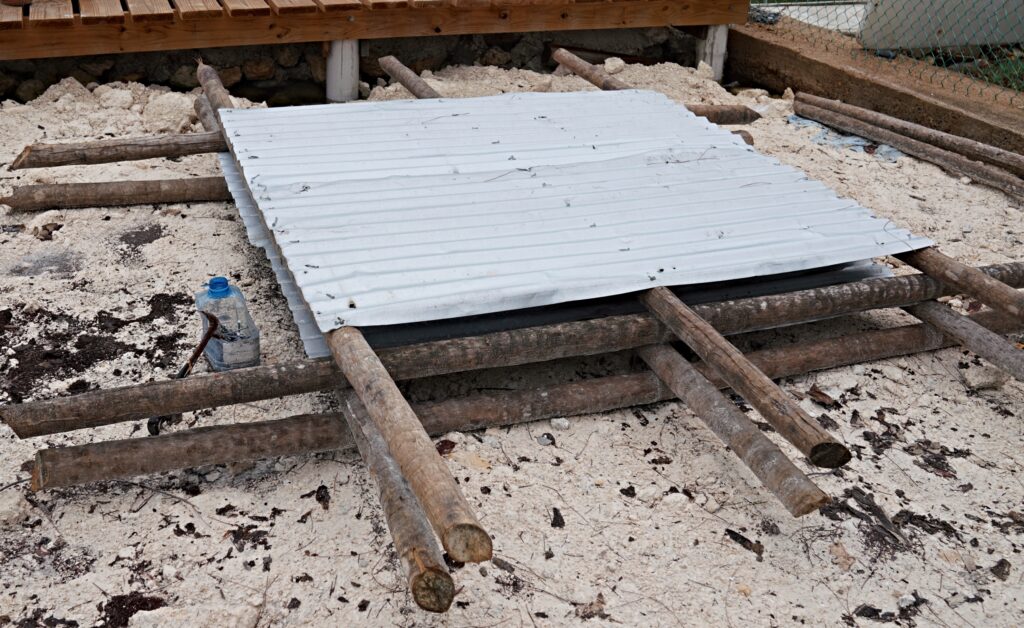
(420, 499)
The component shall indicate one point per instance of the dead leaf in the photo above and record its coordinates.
(821, 397)
(841, 557)
(470, 460)
(743, 590)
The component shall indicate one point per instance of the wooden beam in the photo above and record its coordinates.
(449, 513)
(241, 30)
(495, 350)
(216, 94)
(765, 460)
(207, 117)
(972, 336)
(126, 149)
(988, 290)
(779, 410)
(409, 79)
(429, 582)
(47, 196)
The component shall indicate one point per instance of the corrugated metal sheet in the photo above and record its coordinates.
(395, 212)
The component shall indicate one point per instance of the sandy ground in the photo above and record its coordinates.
(636, 517)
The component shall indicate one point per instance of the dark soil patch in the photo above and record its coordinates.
(135, 239)
(120, 608)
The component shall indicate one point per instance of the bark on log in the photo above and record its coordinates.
(111, 460)
(791, 421)
(765, 460)
(502, 349)
(953, 162)
(989, 290)
(409, 79)
(45, 197)
(431, 586)
(447, 509)
(982, 342)
(972, 149)
(213, 87)
(718, 114)
(207, 117)
(107, 151)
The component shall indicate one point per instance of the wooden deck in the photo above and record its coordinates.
(53, 28)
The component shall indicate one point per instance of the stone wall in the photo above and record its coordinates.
(295, 73)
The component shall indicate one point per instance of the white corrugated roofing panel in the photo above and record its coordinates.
(405, 211)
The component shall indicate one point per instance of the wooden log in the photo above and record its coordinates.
(989, 290)
(501, 349)
(449, 513)
(780, 411)
(765, 460)
(718, 114)
(107, 151)
(44, 197)
(953, 162)
(972, 149)
(982, 342)
(206, 115)
(427, 577)
(213, 88)
(409, 79)
(220, 444)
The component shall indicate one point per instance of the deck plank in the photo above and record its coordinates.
(284, 7)
(150, 10)
(385, 4)
(50, 13)
(101, 11)
(246, 7)
(10, 17)
(330, 6)
(196, 9)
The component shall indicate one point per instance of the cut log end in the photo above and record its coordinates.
(829, 455)
(433, 590)
(810, 503)
(20, 160)
(468, 543)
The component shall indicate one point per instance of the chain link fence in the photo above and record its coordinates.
(973, 47)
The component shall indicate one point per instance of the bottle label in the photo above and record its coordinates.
(244, 351)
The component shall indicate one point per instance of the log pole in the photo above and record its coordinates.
(206, 115)
(974, 337)
(213, 88)
(1009, 160)
(447, 509)
(107, 151)
(791, 421)
(431, 586)
(409, 79)
(718, 114)
(765, 460)
(989, 290)
(501, 349)
(220, 444)
(953, 162)
(44, 197)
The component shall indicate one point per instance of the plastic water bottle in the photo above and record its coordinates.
(236, 342)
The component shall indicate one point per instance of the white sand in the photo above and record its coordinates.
(659, 558)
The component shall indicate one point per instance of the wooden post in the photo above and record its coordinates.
(953, 162)
(409, 79)
(109, 460)
(780, 411)
(989, 290)
(428, 476)
(213, 88)
(206, 115)
(500, 349)
(764, 459)
(107, 151)
(415, 544)
(972, 336)
(1014, 162)
(712, 48)
(44, 197)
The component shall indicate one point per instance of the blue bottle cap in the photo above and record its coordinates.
(218, 287)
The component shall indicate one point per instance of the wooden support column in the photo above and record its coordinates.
(343, 71)
(990, 291)
(435, 488)
(763, 457)
(972, 336)
(431, 586)
(780, 411)
(409, 79)
(711, 49)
